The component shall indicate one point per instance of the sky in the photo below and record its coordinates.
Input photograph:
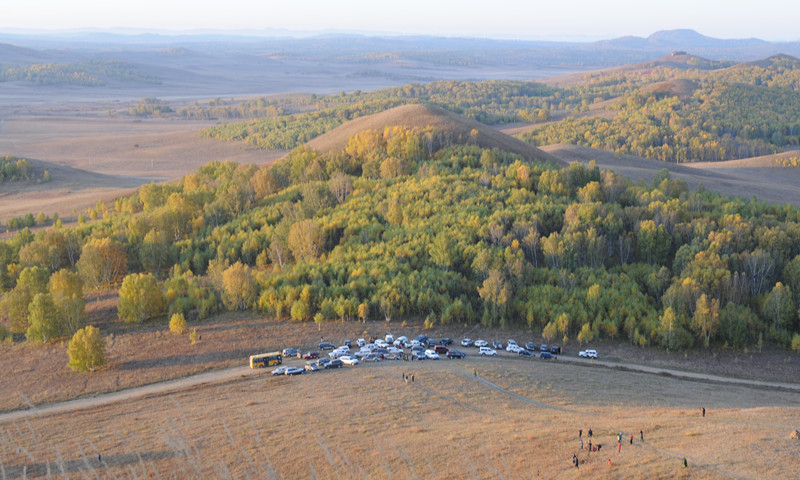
(773, 20)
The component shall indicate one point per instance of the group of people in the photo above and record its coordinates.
(596, 447)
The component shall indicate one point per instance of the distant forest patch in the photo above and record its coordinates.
(91, 73)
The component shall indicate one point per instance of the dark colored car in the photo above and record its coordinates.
(326, 346)
(555, 350)
(547, 356)
(456, 354)
(421, 338)
(291, 352)
(311, 356)
(530, 346)
(417, 348)
(431, 342)
(334, 364)
(323, 361)
(446, 341)
(498, 345)
(348, 343)
(440, 349)
(544, 348)
(525, 353)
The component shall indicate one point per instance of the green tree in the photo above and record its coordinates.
(140, 298)
(441, 250)
(86, 350)
(66, 288)
(495, 293)
(45, 323)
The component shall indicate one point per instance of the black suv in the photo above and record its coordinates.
(446, 341)
(334, 364)
(456, 354)
(326, 346)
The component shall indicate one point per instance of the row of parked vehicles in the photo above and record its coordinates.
(421, 348)
(511, 346)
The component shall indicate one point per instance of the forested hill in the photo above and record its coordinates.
(679, 109)
(388, 227)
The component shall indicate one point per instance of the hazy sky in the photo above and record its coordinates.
(529, 19)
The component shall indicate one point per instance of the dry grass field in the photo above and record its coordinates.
(515, 419)
(94, 158)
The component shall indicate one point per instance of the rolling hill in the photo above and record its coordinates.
(421, 116)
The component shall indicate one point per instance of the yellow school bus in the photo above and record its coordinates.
(266, 360)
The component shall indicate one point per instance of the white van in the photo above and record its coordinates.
(389, 338)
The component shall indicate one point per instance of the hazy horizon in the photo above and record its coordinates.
(569, 20)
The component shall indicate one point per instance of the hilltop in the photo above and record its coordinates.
(421, 116)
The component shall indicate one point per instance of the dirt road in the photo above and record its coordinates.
(221, 376)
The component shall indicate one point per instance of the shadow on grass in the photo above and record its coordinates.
(198, 358)
(87, 465)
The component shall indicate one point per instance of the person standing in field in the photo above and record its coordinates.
(631, 439)
(641, 435)
(704, 411)
(619, 447)
(580, 432)
(685, 463)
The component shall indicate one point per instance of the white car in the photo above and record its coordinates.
(348, 360)
(361, 342)
(389, 338)
(431, 355)
(513, 348)
(487, 351)
(588, 353)
(381, 343)
(481, 343)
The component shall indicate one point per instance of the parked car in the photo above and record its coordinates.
(417, 348)
(348, 343)
(431, 355)
(348, 360)
(290, 352)
(323, 361)
(430, 342)
(337, 353)
(311, 355)
(280, 370)
(481, 343)
(530, 346)
(511, 342)
(361, 342)
(497, 345)
(588, 353)
(487, 351)
(295, 371)
(371, 357)
(362, 354)
(402, 338)
(555, 350)
(526, 353)
(440, 349)
(393, 356)
(418, 355)
(326, 346)
(380, 343)
(513, 348)
(544, 348)
(467, 342)
(334, 364)
(548, 356)
(456, 354)
(311, 367)
(446, 341)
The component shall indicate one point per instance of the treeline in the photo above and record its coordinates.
(90, 73)
(404, 224)
(218, 109)
(733, 113)
(490, 102)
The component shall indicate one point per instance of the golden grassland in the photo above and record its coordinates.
(514, 419)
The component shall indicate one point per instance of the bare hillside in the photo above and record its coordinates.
(422, 116)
